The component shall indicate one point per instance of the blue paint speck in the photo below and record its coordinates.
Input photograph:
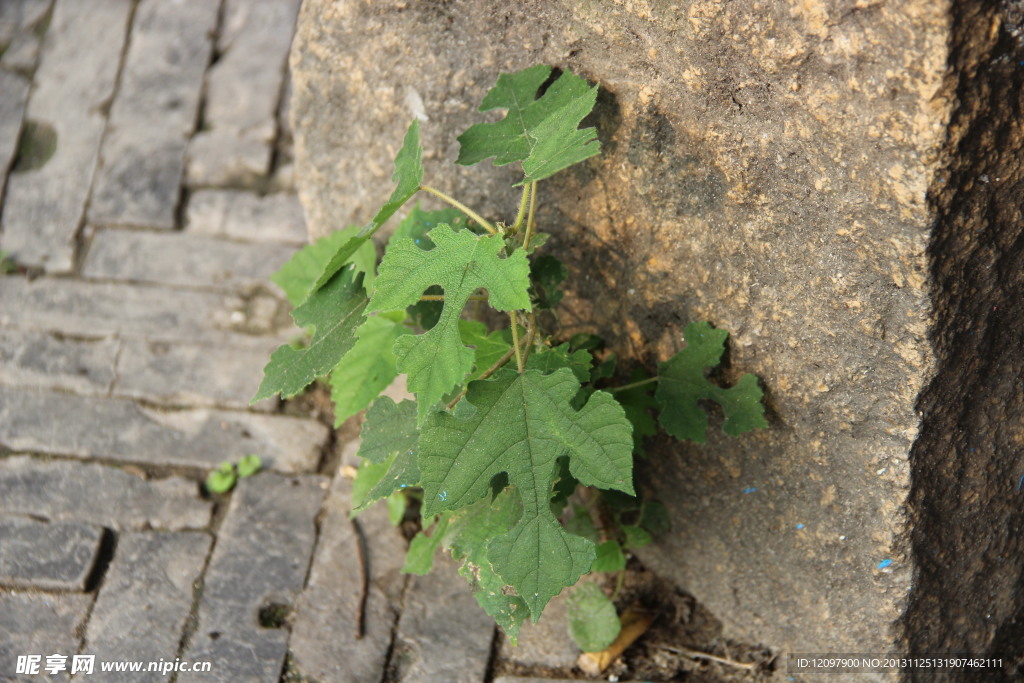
(749, 489)
(443, 495)
(1021, 482)
(799, 526)
(404, 485)
(884, 563)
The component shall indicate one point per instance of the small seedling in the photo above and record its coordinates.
(510, 428)
(223, 479)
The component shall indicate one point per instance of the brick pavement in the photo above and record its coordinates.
(146, 197)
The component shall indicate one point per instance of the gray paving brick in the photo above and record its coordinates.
(145, 600)
(190, 374)
(98, 309)
(262, 556)
(247, 216)
(20, 21)
(61, 490)
(47, 555)
(77, 68)
(12, 110)
(182, 260)
(443, 635)
(324, 646)
(21, 15)
(48, 422)
(154, 114)
(242, 92)
(42, 360)
(39, 624)
(546, 643)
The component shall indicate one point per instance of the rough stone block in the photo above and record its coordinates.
(145, 600)
(257, 570)
(838, 187)
(243, 90)
(154, 114)
(182, 260)
(190, 374)
(94, 309)
(40, 624)
(47, 194)
(247, 216)
(45, 361)
(442, 635)
(61, 490)
(324, 643)
(547, 643)
(62, 424)
(47, 555)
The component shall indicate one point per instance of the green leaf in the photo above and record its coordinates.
(461, 262)
(337, 311)
(582, 525)
(368, 478)
(593, 622)
(638, 402)
(609, 557)
(368, 368)
(547, 273)
(249, 465)
(683, 384)
(397, 504)
(636, 537)
(540, 132)
(565, 486)
(489, 346)
(222, 479)
(521, 425)
(418, 223)
(297, 275)
(551, 359)
(420, 557)
(654, 517)
(389, 439)
(409, 176)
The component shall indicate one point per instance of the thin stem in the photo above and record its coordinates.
(462, 207)
(440, 297)
(515, 341)
(529, 220)
(522, 208)
(619, 583)
(633, 385)
(693, 654)
(530, 334)
(484, 375)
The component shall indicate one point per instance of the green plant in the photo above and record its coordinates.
(7, 265)
(223, 479)
(507, 424)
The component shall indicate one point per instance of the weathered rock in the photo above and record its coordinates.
(40, 360)
(545, 644)
(145, 599)
(767, 168)
(60, 490)
(154, 114)
(40, 624)
(47, 194)
(256, 572)
(247, 216)
(12, 110)
(45, 555)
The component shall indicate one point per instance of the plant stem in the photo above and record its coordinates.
(515, 341)
(522, 208)
(530, 334)
(633, 385)
(693, 654)
(529, 220)
(461, 207)
(484, 375)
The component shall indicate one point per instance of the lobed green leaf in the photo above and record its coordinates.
(297, 276)
(593, 622)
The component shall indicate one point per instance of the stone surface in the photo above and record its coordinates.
(242, 93)
(547, 643)
(442, 635)
(190, 374)
(62, 424)
(181, 260)
(768, 175)
(47, 555)
(61, 490)
(257, 571)
(95, 309)
(12, 110)
(145, 599)
(247, 216)
(154, 114)
(40, 624)
(46, 198)
(324, 644)
(46, 361)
